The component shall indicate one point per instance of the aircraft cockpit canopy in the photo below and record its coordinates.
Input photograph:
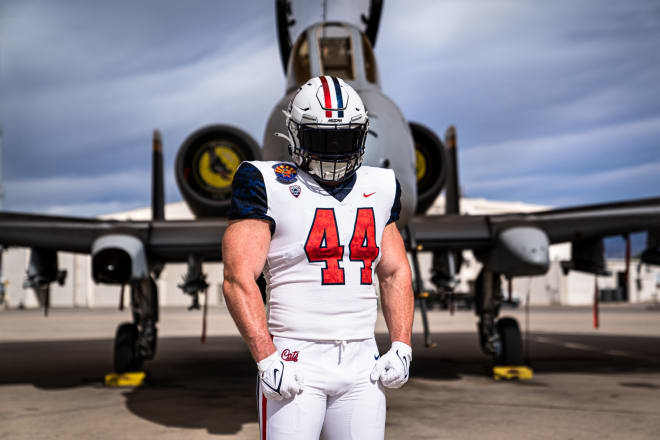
(336, 52)
(334, 49)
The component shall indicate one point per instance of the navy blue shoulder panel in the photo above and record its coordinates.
(248, 195)
(395, 213)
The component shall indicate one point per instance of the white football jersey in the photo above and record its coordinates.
(324, 249)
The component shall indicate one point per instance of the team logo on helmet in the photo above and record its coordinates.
(285, 173)
(295, 190)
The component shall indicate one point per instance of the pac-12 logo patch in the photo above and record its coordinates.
(295, 190)
(285, 173)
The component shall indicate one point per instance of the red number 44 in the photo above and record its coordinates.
(322, 245)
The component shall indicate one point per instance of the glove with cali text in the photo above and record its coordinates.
(392, 368)
(279, 380)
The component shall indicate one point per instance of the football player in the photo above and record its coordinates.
(318, 228)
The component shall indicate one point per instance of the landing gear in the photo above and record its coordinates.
(136, 342)
(127, 357)
(510, 347)
(418, 284)
(500, 338)
(194, 281)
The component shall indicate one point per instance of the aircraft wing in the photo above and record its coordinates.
(164, 241)
(581, 223)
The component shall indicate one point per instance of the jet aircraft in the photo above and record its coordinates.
(133, 253)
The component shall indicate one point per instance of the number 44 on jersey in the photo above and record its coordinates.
(323, 245)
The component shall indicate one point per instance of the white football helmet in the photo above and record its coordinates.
(327, 125)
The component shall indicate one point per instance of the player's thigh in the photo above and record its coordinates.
(299, 417)
(356, 414)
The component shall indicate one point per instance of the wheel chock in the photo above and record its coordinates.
(512, 373)
(132, 379)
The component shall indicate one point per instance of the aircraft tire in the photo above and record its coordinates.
(510, 350)
(127, 357)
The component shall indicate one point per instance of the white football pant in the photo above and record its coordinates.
(338, 402)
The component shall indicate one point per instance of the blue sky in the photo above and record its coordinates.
(555, 103)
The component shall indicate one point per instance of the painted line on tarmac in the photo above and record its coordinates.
(585, 347)
(576, 346)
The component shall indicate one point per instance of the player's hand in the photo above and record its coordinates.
(279, 380)
(393, 367)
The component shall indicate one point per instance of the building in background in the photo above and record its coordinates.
(554, 287)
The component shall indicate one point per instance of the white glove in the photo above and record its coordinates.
(392, 368)
(279, 380)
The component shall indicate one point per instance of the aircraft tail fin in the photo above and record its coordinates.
(157, 185)
(453, 196)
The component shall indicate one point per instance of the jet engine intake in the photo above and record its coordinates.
(205, 166)
(118, 259)
(432, 163)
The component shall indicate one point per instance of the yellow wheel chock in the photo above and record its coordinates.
(132, 379)
(512, 372)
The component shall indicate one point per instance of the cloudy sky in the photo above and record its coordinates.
(555, 103)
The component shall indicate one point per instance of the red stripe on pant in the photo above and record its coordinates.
(264, 416)
(326, 95)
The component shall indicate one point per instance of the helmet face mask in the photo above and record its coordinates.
(327, 126)
(329, 152)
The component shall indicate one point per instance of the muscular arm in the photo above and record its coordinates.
(244, 250)
(395, 281)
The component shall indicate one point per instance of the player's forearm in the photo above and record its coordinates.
(398, 304)
(243, 300)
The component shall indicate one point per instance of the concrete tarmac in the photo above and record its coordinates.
(588, 384)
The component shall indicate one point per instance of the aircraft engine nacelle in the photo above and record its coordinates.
(432, 162)
(651, 254)
(205, 166)
(587, 255)
(118, 259)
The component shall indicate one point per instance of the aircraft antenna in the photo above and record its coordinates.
(157, 185)
(324, 14)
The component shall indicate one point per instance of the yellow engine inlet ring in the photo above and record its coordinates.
(209, 177)
(420, 164)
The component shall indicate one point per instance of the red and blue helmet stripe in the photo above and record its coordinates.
(327, 95)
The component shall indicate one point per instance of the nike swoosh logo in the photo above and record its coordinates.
(369, 195)
(404, 361)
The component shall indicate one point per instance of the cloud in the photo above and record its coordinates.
(509, 69)
(88, 106)
(557, 189)
(541, 94)
(573, 168)
(97, 194)
(573, 151)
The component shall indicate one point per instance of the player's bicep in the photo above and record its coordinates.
(394, 257)
(244, 248)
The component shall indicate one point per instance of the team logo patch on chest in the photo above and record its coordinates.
(285, 173)
(295, 190)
